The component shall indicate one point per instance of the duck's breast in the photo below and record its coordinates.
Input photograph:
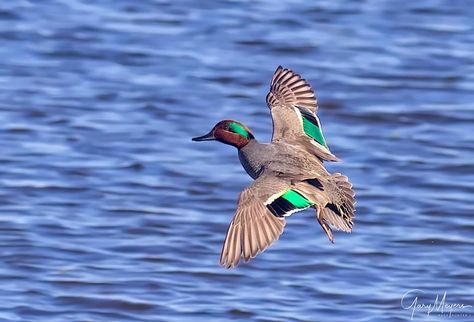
(254, 156)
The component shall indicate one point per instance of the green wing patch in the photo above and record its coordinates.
(312, 127)
(288, 203)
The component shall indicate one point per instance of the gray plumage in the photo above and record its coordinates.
(289, 173)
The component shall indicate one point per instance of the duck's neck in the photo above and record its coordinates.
(241, 143)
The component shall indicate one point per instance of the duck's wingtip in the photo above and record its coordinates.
(331, 157)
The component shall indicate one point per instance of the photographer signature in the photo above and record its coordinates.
(439, 306)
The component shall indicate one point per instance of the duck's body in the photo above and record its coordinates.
(289, 173)
(281, 158)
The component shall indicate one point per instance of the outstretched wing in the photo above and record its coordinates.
(259, 219)
(293, 106)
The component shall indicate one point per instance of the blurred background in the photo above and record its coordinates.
(109, 212)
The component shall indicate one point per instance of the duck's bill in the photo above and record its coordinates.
(208, 137)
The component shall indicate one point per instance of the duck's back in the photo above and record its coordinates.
(281, 158)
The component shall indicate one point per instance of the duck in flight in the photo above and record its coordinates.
(289, 175)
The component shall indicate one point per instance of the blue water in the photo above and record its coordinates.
(109, 212)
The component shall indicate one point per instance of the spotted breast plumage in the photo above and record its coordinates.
(289, 175)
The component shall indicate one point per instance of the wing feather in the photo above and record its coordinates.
(285, 87)
(289, 97)
(254, 228)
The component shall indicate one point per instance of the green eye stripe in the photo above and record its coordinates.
(239, 129)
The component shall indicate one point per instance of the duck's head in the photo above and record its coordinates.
(229, 132)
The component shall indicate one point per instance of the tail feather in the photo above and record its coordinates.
(335, 220)
(326, 228)
(339, 213)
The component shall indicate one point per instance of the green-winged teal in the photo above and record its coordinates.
(289, 173)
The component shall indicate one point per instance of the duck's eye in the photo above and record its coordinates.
(239, 129)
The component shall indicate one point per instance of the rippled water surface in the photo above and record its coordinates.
(110, 213)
